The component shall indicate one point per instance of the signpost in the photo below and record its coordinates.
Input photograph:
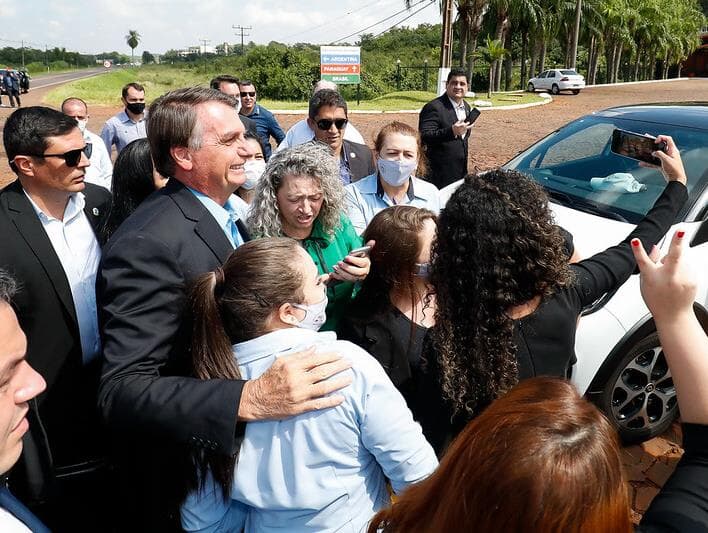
(341, 65)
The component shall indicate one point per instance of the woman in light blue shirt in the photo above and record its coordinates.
(319, 471)
(398, 156)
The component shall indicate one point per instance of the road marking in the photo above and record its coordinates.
(67, 80)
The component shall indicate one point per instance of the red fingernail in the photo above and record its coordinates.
(680, 234)
(635, 242)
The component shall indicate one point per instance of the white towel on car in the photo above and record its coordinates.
(617, 182)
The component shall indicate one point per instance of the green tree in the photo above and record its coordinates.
(493, 52)
(132, 39)
(148, 58)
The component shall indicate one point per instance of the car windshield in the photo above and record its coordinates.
(569, 73)
(578, 169)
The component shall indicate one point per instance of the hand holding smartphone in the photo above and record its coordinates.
(472, 115)
(637, 146)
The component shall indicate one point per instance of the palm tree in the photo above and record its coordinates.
(133, 38)
(493, 52)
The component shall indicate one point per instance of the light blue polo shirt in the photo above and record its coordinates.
(367, 197)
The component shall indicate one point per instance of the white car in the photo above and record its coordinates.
(557, 80)
(620, 364)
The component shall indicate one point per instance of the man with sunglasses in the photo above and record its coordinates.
(48, 241)
(266, 124)
(327, 116)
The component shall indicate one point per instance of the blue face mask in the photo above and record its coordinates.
(422, 270)
(396, 173)
(315, 314)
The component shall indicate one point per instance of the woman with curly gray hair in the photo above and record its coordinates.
(301, 196)
(507, 300)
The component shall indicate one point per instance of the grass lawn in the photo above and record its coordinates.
(105, 90)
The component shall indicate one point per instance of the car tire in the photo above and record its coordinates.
(555, 89)
(639, 397)
(576, 91)
(530, 88)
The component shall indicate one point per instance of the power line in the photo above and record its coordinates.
(330, 21)
(405, 19)
(380, 21)
(241, 29)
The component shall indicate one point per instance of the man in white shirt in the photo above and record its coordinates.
(301, 132)
(49, 218)
(20, 384)
(100, 172)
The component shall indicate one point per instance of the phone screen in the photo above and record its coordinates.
(473, 115)
(636, 146)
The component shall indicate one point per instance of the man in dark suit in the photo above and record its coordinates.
(445, 133)
(20, 385)
(327, 116)
(48, 242)
(186, 229)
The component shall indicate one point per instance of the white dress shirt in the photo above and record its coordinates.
(11, 524)
(79, 253)
(100, 171)
(460, 111)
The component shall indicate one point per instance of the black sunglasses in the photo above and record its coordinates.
(325, 123)
(72, 157)
(243, 95)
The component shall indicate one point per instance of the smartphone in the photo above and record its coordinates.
(360, 252)
(472, 115)
(637, 146)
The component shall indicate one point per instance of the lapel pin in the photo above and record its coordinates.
(95, 211)
(352, 155)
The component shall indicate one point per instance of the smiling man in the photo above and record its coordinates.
(327, 116)
(266, 124)
(186, 229)
(19, 383)
(49, 218)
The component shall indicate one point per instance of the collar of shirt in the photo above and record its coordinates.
(123, 117)
(224, 215)
(457, 106)
(256, 110)
(410, 192)
(74, 207)
(279, 342)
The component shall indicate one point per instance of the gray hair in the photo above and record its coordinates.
(310, 159)
(324, 84)
(172, 121)
(8, 287)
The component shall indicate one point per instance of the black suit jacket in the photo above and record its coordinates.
(167, 242)
(447, 154)
(64, 427)
(361, 160)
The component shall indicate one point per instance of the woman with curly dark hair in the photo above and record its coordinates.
(507, 299)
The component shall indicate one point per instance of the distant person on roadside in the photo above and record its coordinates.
(327, 116)
(100, 171)
(301, 132)
(228, 84)
(134, 179)
(254, 167)
(398, 157)
(11, 83)
(130, 123)
(266, 124)
(445, 132)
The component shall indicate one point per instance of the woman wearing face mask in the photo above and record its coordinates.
(301, 196)
(395, 307)
(320, 471)
(254, 168)
(398, 156)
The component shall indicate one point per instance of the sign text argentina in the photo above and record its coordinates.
(340, 64)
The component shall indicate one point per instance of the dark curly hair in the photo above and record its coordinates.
(497, 247)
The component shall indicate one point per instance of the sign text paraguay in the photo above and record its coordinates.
(340, 64)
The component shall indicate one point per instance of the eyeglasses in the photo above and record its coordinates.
(252, 95)
(72, 157)
(325, 123)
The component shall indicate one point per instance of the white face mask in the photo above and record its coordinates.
(238, 105)
(82, 124)
(397, 172)
(254, 170)
(315, 314)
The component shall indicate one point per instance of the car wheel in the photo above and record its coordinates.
(639, 397)
(576, 91)
(555, 89)
(530, 88)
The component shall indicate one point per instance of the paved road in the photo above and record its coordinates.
(46, 80)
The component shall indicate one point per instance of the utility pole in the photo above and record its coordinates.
(241, 29)
(23, 54)
(445, 45)
(204, 42)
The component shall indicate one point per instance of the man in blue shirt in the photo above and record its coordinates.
(129, 124)
(266, 124)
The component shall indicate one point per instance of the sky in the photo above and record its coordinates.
(101, 25)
